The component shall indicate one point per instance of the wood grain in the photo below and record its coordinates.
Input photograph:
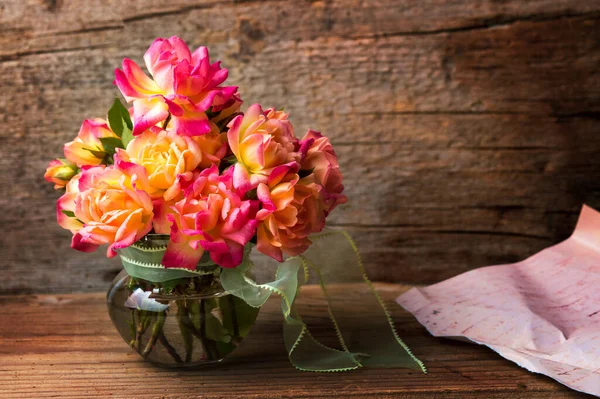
(65, 346)
(466, 130)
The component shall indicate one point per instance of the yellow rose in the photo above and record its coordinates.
(167, 157)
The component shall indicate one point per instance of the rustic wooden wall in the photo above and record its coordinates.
(467, 129)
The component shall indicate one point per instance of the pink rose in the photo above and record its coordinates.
(320, 158)
(184, 86)
(212, 217)
(261, 141)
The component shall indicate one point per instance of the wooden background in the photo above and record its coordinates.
(467, 129)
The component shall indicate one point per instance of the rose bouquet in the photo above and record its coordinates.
(184, 161)
(182, 184)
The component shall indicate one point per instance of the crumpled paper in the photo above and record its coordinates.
(542, 313)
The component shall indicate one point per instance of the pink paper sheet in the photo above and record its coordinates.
(542, 313)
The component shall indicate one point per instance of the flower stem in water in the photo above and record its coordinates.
(186, 326)
(170, 349)
(156, 332)
(202, 332)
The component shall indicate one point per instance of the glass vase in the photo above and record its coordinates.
(184, 322)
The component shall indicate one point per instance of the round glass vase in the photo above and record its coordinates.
(183, 322)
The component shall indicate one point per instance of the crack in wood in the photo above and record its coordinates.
(584, 115)
(453, 148)
(559, 116)
(164, 13)
(181, 10)
(491, 233)
(21, 54)
(488, 23)
(84, 30)
(447, 112)
(424, 229)
(505, 148)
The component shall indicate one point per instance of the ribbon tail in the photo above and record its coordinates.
(379, 340)
(304, 351)
(376, 344)
(308, 354)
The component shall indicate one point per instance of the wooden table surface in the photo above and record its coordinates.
(65, 346)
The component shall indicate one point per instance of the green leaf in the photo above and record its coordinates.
(110, 144)
(238, 316)
(222, 125)
(230, 159)
(119, 119)
(215, 330)
(251, 194)
(127, 137)
(169, 286)
(305, 172)
(64, 175)
(156, 273)
(97, 153)
(210, 113)
(285, 284)
(225, 347)
(70, 214)
(68, 163)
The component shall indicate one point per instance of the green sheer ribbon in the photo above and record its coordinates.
(144, 262)
(332, 258)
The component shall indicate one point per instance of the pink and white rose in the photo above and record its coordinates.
(184, 86)
(261, 141)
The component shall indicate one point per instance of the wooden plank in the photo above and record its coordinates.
(517, 68)
(66, 346)
(47, 26)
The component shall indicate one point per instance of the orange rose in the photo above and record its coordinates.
(107, 206)
(290, 212)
